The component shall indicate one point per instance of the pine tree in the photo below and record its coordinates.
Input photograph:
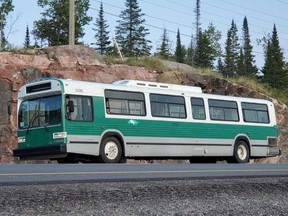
(130, 31)
(27, 38)
(190, 53)
(274, 71)
(197, 13)
(54, 26)
(249, 67)
(180, 51)
(220, 66)
(102, 35)
(203, 57)
(214, 37)
(164, 49)
(231, 48)
(6, 7)
(198, 29)
(241, 69)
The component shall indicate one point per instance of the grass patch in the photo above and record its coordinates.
(112, 59)
(151, 63)
(279, 95)
(210, 72)
(252, 83)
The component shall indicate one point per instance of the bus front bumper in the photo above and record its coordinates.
(47, 152)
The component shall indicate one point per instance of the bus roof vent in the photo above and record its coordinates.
(158, 85)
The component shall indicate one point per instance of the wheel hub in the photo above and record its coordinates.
(111, 150)
(242, 152)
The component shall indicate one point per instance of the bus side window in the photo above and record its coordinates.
(82, 108)
(198, 109)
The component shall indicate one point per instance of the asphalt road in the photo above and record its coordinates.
(47, 173)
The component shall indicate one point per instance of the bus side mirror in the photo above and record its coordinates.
(70, 106)
(9, 109)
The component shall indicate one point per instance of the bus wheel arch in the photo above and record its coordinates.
(112, 148)
(241, 151)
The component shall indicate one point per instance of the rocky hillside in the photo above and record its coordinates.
(82, 63)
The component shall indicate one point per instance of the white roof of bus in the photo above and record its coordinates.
(172, 89)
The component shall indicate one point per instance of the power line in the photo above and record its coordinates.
(282, 2)
(231, 11)
(254, 10)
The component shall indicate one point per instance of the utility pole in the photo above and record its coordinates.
(72, 22)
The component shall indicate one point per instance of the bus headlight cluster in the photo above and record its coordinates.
(21, 139)
(59, 135)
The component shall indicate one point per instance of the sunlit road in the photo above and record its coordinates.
(13, 174)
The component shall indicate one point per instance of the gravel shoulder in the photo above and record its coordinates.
(250, 196)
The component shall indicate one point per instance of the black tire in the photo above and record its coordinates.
(202, 160)
(241, 153)
(111, 150)
(67, 160)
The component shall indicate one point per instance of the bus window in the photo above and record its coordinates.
(82, 108)
(223, 110)
(198, 109)
(125, 103)
(257, 113)
(167, 106)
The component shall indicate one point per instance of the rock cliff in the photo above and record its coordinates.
(83, 63)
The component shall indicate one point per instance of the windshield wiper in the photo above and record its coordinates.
(36, 114)
(46, 128)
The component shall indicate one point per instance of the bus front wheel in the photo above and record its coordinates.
(241, 153)
(111, 150)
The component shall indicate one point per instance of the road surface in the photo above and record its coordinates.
(45, 173)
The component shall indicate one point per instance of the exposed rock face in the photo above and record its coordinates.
(82, 63)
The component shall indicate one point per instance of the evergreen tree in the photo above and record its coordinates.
(274, 71)
(164, 49)
(241, 69)
(190, 53)
(249, 67)
(197, 13)
(203, 57)
(220, 66)
(198, 29)
(102, 35)
(231, 55)
(54, 26)
(214, 37)
(6, 7)
(180, 50)
(130, 31)
(27, 38)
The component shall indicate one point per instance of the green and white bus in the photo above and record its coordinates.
(76, 121)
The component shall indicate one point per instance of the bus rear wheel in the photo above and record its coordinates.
(111, 150)
(241, 153)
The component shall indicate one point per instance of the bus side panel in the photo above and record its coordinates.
(161, 138)
(84, 137)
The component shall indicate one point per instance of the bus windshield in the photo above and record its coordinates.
(40, 112)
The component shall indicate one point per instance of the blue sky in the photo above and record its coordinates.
(174, 14)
